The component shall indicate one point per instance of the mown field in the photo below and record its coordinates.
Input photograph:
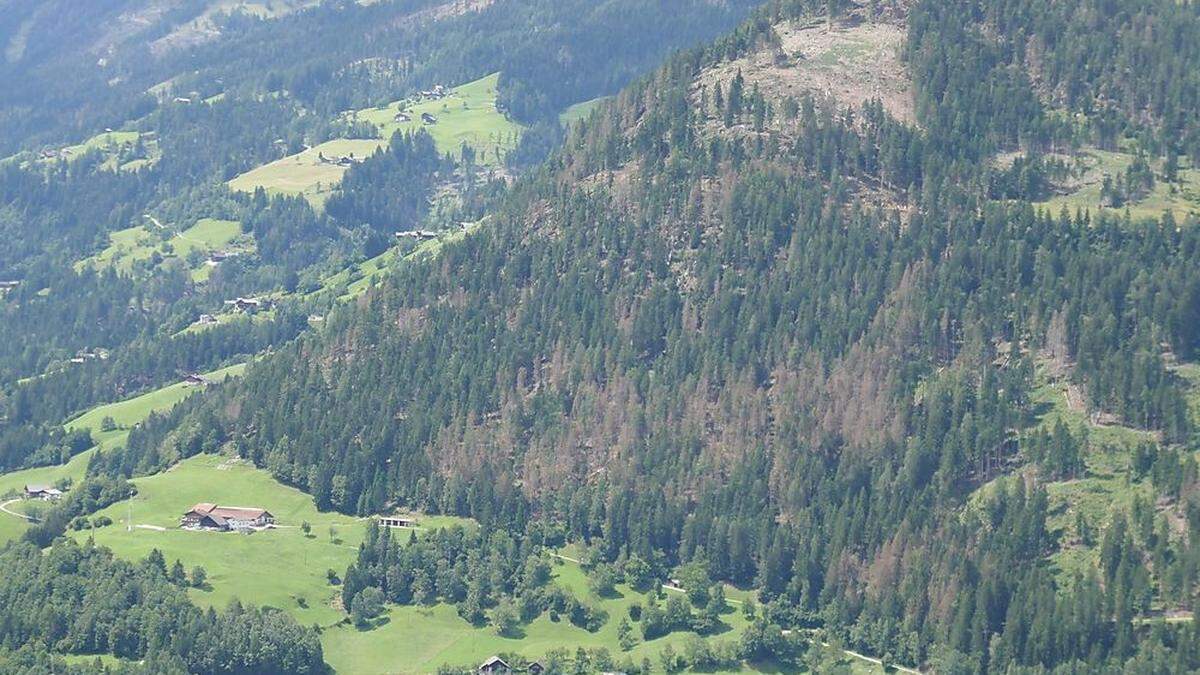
(124, 413)
(306, 174)
(467, 114)
(282, 568)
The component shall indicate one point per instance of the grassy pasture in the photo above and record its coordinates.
(115, 146)
(125, 413)
(1083, 190)
(281, 568)
(581, 110)
(132, 411)
(352, 281)
(112, 144)
(467, 114)
(418, 639)
(305, 174)
(137, 244)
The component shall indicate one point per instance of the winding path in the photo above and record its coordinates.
(4, 508)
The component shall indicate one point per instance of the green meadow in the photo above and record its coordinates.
(581, 110)
(125, 414)
(132, 411)
(1083, 190)
(352, 281)
(418, 639)
(467, 114)
(306, 174)
(117, 148)
(131, 246)
(282, 567)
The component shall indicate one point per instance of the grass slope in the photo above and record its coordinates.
(133, 245)
(116, 146)
(280, 568)
(1083, 190)
(352, 281)
(305, 174)
(467, 114)
(1105, 487)
(419, 639)
(125, 413)
(581, 110)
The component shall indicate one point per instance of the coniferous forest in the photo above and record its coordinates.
(717, 331)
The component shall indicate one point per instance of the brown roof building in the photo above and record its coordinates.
(206, 516)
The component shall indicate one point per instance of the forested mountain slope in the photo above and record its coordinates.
(96, 230)
(824, 309)
(790, 338)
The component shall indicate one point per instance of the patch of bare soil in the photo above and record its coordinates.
(850, 63)
(455, 8)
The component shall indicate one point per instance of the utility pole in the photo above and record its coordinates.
(129, 519)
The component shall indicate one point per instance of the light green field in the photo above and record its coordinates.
(279, 568)
(131, 411)
(352, 281)
(581, 110)
(125, 413)
(13, 483)
(227, 318)
(304, 173)
(136, 244)
(116, 147)
(1182, 199)
(124, 249)
(418, 639)
(11, 527)
(467, 114)
(358, 278)
(106, 660)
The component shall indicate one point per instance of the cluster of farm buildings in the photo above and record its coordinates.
(45, 493)
(226, 518)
